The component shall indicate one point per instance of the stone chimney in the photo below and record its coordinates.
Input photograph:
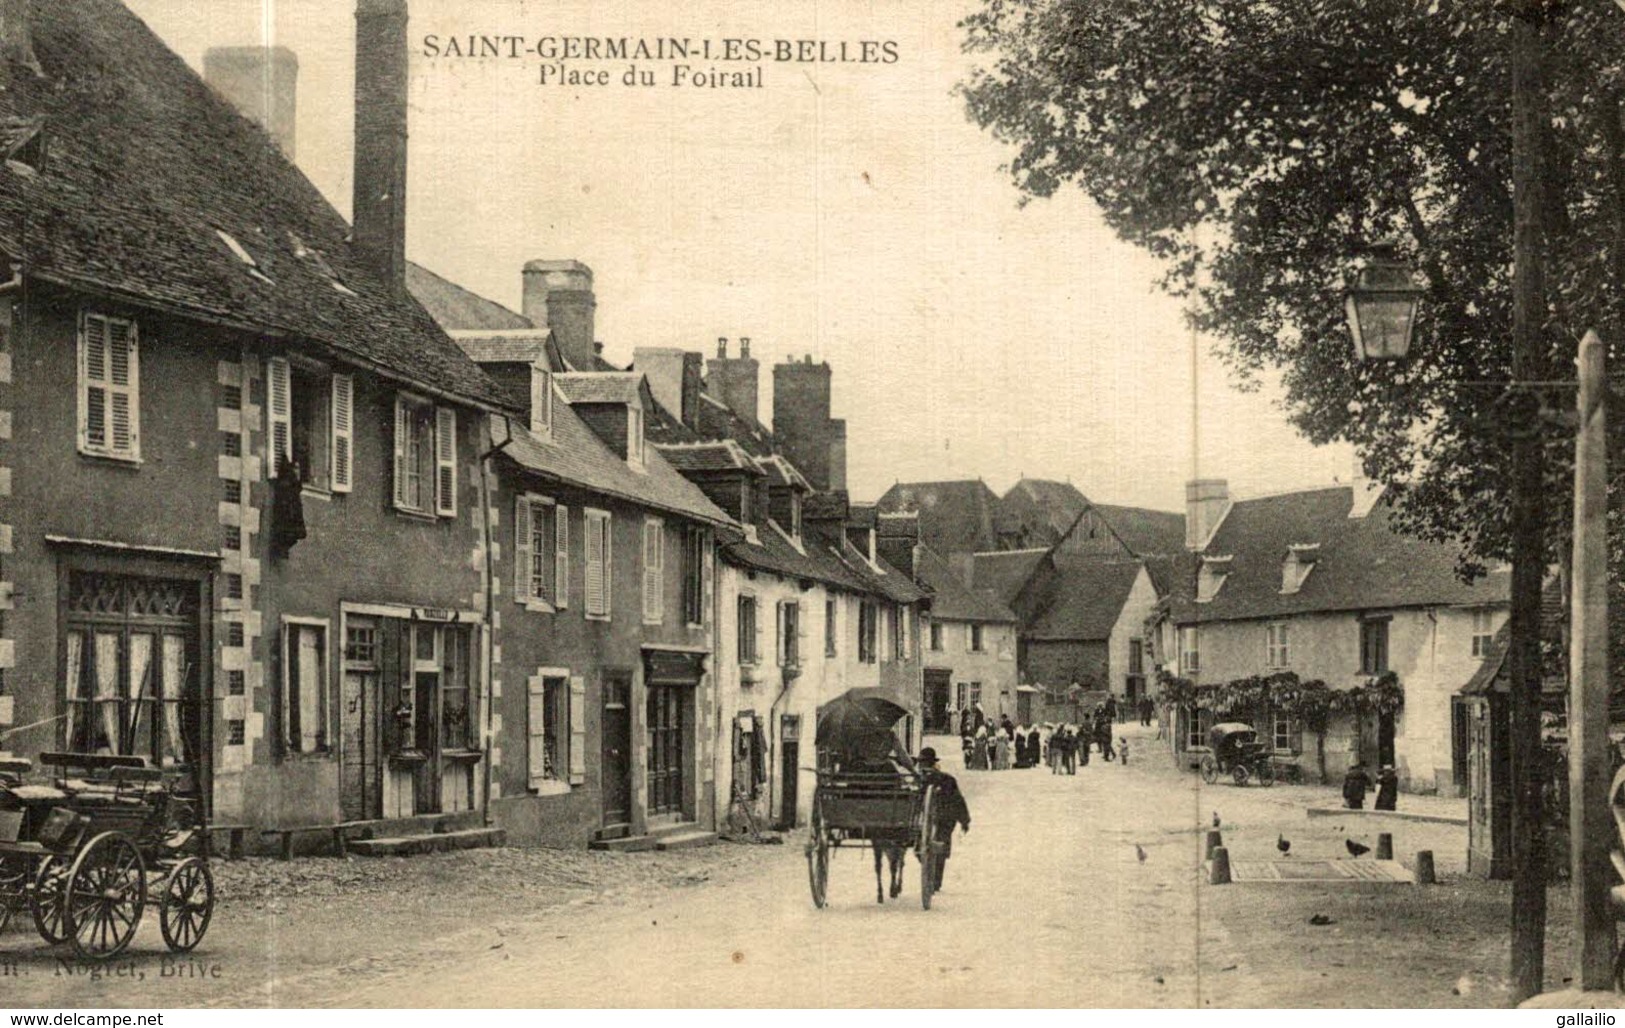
(380, 136)
(1206, 501)
(559, 296)
(735, 380)
(801, 422)
(17, 36)
(262, 83)
(674, 378)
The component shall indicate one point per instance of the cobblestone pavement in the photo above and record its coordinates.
(1048, 903)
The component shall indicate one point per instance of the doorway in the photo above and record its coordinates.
(361, 727)
(789, 769)
(937, 690)
(665, 721)
(616, 728)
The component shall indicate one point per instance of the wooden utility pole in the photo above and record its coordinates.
(1527, 526)
(1591, 825)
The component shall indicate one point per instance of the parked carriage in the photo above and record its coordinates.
(867, 797)
(1235, 750)
(83, 853)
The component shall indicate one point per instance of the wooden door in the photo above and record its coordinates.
(616, 730)
(361, 795)
(937, 688)
(789, 769)
(665, 724)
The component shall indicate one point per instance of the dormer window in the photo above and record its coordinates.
(634, 436)
(541, 400)
(1300, 560)
(1211, 578)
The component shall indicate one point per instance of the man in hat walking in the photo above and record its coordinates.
(948, 809)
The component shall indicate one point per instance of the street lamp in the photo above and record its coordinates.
(1382, 305)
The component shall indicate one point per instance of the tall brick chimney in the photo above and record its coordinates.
(559, 296)
(380, 136)
(801, 422)
(735, 380)
(674, 379)
(262, 83)
(1206, 502)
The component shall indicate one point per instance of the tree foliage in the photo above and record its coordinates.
(1270, 143)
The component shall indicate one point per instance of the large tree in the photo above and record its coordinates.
(1270, 143)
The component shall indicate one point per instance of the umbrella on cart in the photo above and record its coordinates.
(855, 714)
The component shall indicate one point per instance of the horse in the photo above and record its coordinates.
(893, 852)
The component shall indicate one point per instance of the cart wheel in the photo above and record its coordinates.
(106, 894)
(14, 875)
(926, 846)
(818, 859)
(1239, 774)
(1266, 775)
(1210, 770)
(186, 905)
(45, 899)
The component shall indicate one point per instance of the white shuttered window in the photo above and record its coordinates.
(654, 569)
(109, 387)
(279, 413)
(445, 461)
(343, 456)
(599, 557)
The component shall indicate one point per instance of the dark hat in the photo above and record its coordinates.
(928, 755)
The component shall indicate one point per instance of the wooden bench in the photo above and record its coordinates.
(340, 833)
(236, 838)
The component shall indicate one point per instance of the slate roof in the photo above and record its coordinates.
(577, 456)
(1054, 505)
(829, 506)
(879, 577)
(955, 517)
(1147, 533)
(1085, 599)
(719, 421)
(781, 472)
(145, 166)
(723, 455)
(458, 308)
(1004, 573)
(601, 386)
(951, 598)
(774, 554)
(1363, 563)
(524, 347)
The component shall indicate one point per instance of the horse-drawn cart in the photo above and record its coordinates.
(81, 853)
(869, 795)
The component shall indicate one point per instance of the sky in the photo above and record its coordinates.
(847, 211)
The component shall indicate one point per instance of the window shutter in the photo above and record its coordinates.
(445, 459)
(801, 635)
(343, 432)
(92, 382)
(123, 377)
(757, 628)
(403, 425)
(278, 414)
(521, 548)
(536, 729)
(578, 730)
(561, 556)
(541, 401)
(608, 585)
(596, 559)
(778, 633)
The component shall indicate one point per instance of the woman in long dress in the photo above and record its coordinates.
(1001, 750)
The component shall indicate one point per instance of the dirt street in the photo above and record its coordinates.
(1047, 903)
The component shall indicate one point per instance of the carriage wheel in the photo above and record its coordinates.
(45, 899)
(1210, 770)
(818, 859)
(107, 891)
(1266, 774)
(926, 847)
(14, 874)
(186, 905)
(1239, 774)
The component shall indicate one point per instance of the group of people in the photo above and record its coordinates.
(1000, 745)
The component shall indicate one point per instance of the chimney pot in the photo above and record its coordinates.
(744, 346)
(722, 346)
